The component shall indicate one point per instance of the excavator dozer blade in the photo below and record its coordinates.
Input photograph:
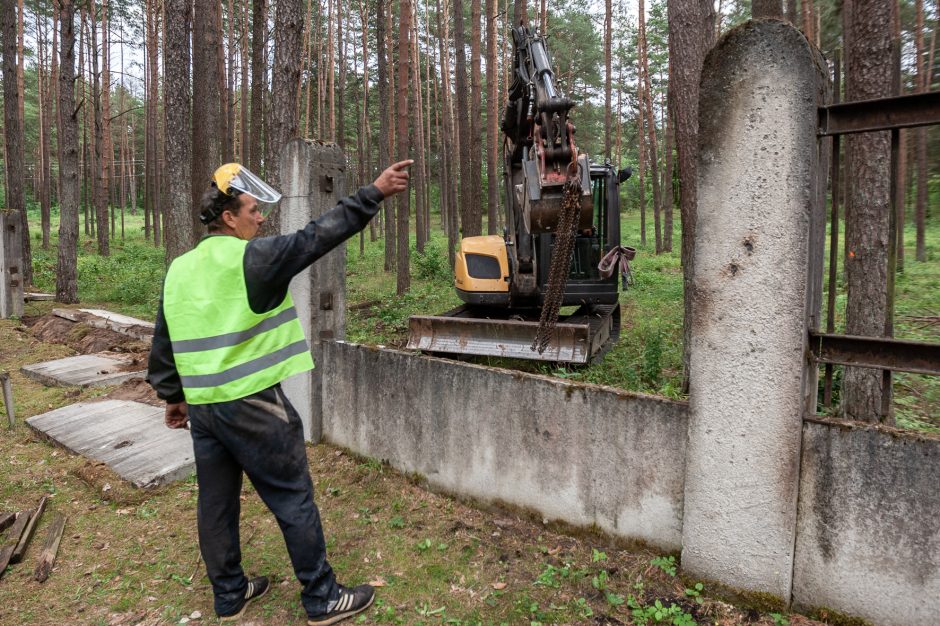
(455, 332)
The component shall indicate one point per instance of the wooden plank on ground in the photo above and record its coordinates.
(49, 549)
(6, 520)
(13, 538)
(86, 370)
(130, 437)
(27, 535)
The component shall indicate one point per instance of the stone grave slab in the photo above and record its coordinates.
(86, 370)
(128, 436)
(99, 318)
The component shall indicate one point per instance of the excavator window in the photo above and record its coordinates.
(483, 266)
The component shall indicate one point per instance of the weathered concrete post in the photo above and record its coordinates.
(313, 179)
(11, 256)
(757, 193)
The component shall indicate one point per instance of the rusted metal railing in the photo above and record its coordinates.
(885, 353)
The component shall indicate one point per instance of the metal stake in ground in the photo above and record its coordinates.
(7, 396)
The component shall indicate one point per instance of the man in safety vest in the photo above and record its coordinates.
(226, 335)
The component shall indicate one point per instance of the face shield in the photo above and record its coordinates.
(236, 176)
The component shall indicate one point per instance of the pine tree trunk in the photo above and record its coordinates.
(641, 153)
(869, 74)
(155, 192)
(80, 77)
(66, 282)
(341, 91)
(13, 133)
(27, 269)
(101, 187)
(476, 125)
(42, 92)
(384, 124)
(920, 211)
(462, 98)
(259, 80)
(691, 32)
(331, 73)
(179, 218)
(245, 150)
(608, 39)
(404, 206)
(288, 40)
(206, 146)
(419, 154)
(668, 192)
(448, 171)
(492, 116)
(107, 149)
(650, 124)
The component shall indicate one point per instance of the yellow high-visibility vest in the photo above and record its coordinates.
(222, 349)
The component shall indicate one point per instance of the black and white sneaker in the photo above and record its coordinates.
(349, 603)
(257, 587)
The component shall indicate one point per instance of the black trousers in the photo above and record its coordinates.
(261, 435)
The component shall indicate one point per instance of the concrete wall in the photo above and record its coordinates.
(868, 534)
(579, 453)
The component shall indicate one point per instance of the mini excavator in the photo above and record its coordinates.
(562, 219)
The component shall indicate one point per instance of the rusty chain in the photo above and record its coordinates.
(561, 263)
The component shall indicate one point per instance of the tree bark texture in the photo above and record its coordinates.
(476, 126)
(920, 211)
(259, 81)
(66, 280)
(462, 98)
(100, 173)
(385, 119)
(492, 121)
(869, 74)
(13, 134)
(691, 31)
(403, 145)
(206, 146)
(608, 41)
(179, 218)
(285, 77)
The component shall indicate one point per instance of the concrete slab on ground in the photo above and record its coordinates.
(128, 436)
(99, 318)
(34, 295)
(86, 370)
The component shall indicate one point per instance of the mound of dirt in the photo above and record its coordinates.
(138, 390)
(83, 338)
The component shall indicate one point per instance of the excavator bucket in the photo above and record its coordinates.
(579, 338)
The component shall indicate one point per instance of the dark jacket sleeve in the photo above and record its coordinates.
(161, 368)
(271, 262)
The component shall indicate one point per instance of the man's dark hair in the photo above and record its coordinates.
(214, 203)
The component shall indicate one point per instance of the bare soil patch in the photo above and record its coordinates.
(138, 390)
(83, 338)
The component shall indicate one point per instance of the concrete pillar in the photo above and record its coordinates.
(757, 196)
(11, 258)
(313, 179)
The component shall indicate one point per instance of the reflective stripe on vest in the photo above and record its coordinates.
(222, 349)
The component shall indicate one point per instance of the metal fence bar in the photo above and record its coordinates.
(922, 109)
(917, 357)
(834, 230)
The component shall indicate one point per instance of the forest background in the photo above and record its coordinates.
(123, 108)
